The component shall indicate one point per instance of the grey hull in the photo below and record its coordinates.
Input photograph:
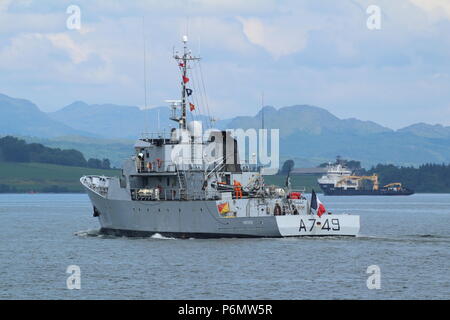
(180, 219)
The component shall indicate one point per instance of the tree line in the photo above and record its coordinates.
(13, 149)
(425, 178)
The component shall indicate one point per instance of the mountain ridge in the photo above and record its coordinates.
(305, 118)
(128, 121)
(306, 132)
(22, 117)
(427, 130)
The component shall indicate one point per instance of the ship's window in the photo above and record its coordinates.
(168, 181)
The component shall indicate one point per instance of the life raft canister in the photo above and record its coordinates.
(295, 195)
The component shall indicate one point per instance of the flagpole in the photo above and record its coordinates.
(313, 199)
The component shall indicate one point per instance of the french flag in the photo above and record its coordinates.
(316, 205)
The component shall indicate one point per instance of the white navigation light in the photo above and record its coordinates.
(185, 39)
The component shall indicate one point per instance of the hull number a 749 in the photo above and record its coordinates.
(308, 225)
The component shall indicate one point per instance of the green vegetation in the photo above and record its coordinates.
(16, 150)
(428, 178)
(434, 178)
(44, 177)
(116, 150)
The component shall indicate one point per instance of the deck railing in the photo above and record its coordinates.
(171, 195)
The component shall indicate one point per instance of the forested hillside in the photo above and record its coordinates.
(17, 150)
(425, 178)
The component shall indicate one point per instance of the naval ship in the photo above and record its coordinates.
(187, 195)
(339, 180)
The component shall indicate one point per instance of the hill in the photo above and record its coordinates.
(43, 177)
(310, 135)
(370, 149)
(306, 119)
(433, 178)
(115, 121)
(436, 131)
(21, 117)
(16, 150)
(116, 150)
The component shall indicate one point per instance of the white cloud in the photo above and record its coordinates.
(30, 49)
(437, 9)
(212, 32)
(76, 52)
(279, 37)
(325, 44)
(4, 4)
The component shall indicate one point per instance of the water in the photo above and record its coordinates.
(407, 237)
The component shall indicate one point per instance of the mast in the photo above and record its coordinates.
(183, 63)
(183, 94)
(145, 75)
(262, 110)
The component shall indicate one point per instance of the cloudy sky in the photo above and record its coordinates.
(317, 52)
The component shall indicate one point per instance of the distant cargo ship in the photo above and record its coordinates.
(341, 181)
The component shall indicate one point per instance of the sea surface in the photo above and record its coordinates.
(408, 238)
